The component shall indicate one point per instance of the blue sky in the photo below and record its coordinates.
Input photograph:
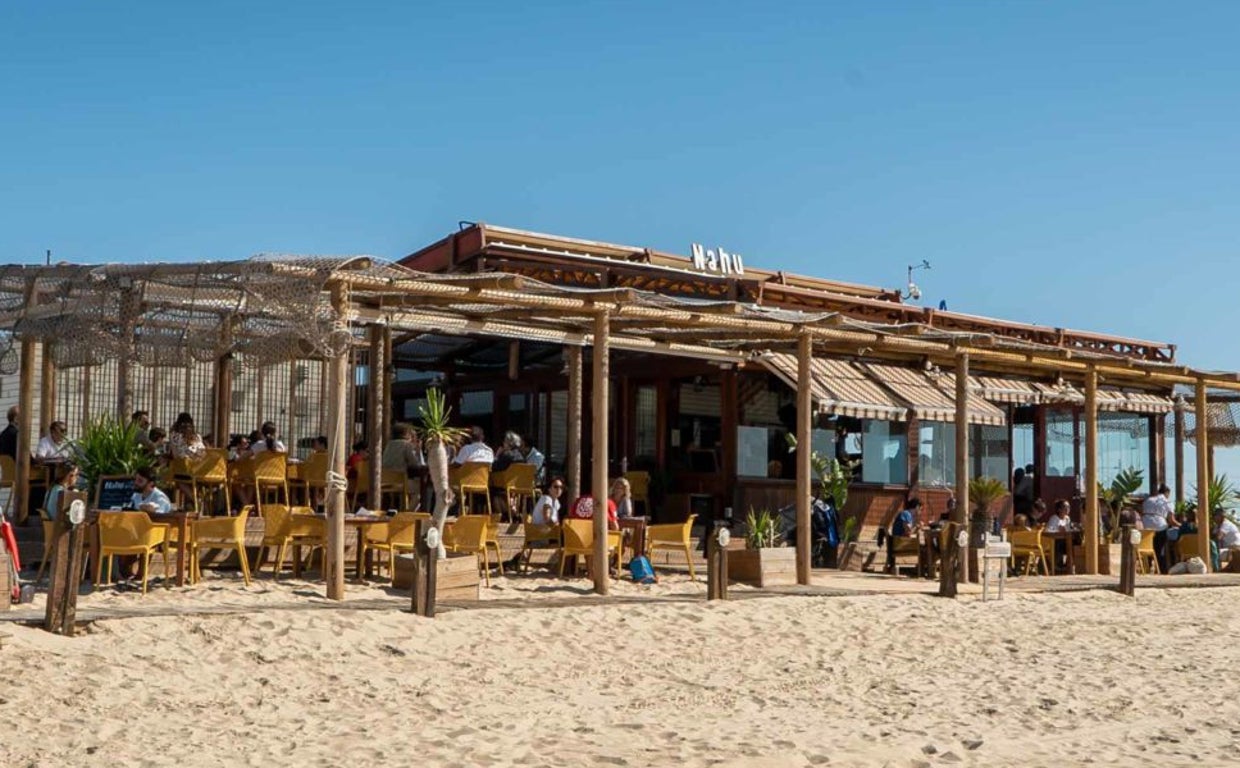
(1064, 163)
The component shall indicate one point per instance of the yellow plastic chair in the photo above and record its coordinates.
(211, 473)
(284, 527)
(639, 490)
(469, 535)
(313, 476)
(1146, 553)
(470, 479)
(394, 536)
(672, 536)
(537, 537)
(1029, 545)
(269, 471)
(220, 533)
(1187, 546)
(129, 533)
(579, 540)
(517, 483)
(49, 533)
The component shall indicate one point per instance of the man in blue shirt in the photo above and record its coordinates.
(147, 497)
(906, 522)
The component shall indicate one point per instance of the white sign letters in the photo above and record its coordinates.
(717, 260)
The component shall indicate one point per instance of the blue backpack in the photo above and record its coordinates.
(641, 570)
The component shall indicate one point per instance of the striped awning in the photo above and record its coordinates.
(840, 388)
(998, 389)
(931, 400)
(1109, 399)
(1148, 402)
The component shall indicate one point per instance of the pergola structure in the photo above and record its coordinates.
(278, 308)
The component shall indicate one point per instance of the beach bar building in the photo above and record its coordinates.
(610, 359)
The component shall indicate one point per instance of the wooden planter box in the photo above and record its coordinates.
(767, 567)
(456, 579)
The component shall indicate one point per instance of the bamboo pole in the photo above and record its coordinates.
(290, 431)
(322, 405)
(374, 414)
(25, 425)
(85, 403)
(47, 389)
(223, 385)
(963, 509)
(1179, 451)
(599, 461)
(804, 468)
(1090, 537)
(155, 407)
(124, 365)
(338, 449)
(386, 376)
(1204, 450)
(572, 462)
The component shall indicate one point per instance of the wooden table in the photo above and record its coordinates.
(360, 523)
(637, 539)
(1069, 538)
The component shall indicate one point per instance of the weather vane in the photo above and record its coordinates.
(913, 292)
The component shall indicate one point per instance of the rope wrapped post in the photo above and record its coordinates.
(337, 441)
(375, 417)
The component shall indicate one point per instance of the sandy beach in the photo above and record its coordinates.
(900, 680)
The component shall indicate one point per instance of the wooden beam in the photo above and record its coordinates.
(804, 467)
(1203, 475)
(601, 379)
(1090, 518)
(223, 383)
(374, 414)
(514, 359)
(1179, 452)
(25, 434)
(963, 507)
(85, 394)
(338, 449)
(47, 389)
(290, 428)
(572, 462)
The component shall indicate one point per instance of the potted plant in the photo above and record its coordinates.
(108, 447)
(765, 561)
(437, 435)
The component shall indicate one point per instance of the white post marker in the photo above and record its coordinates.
(997, 553)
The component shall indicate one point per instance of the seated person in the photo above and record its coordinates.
(66, 480)
(476, 449)
(1062, 519)
(141, 423)
(1226, 538)
(583, 509)
(1020, 523)
(535, 457)
(547, 508)
(1040, 513)
(906, 523)
(403, 453)
(147, 498)
(55, 444)
(268, 440)
(158, 439)
(239, 448)
(622, 496)
(509, 453)
(357, 457)
(318, 444)
(185, 442)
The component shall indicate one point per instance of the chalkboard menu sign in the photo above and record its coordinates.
(114, 492)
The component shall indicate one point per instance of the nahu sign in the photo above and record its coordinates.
(717, 260)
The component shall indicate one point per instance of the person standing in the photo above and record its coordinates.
(8, 436)
(1158, 515)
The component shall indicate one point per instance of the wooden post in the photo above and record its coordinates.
(425, 567)
(223, 384)
(716, 563)
(1179, 451)
(290, 431)
(337, 442)
(1127, 562)
(374, 414)
(85, 395)
(805, 547)
(598, 482)
(1204, 456)
(124, 364)
(155, 406)
(967, 565)
(322, 407)
(387, 376)
(64, 578)
(1089, 537)
(949, 570)
(1158, 451)
(47, 389)
(572, 462)
(25, 425)
(514, 359)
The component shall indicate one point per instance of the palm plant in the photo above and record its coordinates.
(834, 478)
(437, 435)
(109, 446)
(1125, 484)
(1220, 494)
(763, 529)
(983, 493)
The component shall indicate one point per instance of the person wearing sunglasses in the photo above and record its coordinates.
(547, 508)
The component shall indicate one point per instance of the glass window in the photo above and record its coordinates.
(884, 447)
(519, 414)
(556, 449)
(988, 451)
(477, 403)
(1123, 443)
(936, 454)
(647, 408)
(1060, 443)
(413, 409)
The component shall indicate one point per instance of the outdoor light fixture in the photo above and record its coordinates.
(913, 292)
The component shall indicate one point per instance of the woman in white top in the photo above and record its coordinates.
(185, 442)
(547, 508)
(269, 441)
(622, 495)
